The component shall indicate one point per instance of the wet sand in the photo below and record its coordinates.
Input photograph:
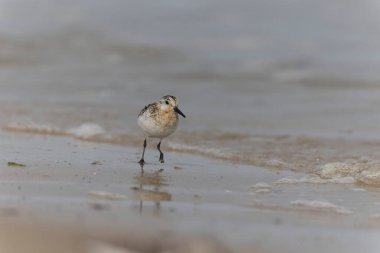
(78, 196)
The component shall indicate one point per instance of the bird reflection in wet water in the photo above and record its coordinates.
(149, 188)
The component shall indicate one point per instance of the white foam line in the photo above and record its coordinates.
(199, 149)
(319, 205)
(316, 180)
(86, 130)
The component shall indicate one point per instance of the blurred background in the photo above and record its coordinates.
(256, 67)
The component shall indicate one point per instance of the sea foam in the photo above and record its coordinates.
(261, 188)
(322, 206)
(197, 149)
(316, 180)
(367, 173)
(83, 131)
(86, 130)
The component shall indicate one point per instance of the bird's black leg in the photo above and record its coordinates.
(161, 154)
(141, 162)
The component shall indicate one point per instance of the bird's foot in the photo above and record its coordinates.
(141, 162)
(161, 158)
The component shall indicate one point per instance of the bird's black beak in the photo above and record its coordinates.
(179, 112)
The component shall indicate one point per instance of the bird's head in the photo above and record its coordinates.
(169, 103)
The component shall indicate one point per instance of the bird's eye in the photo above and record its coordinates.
(167, 102)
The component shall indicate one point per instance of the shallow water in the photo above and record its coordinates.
(234, 67)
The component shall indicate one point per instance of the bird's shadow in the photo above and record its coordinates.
(149, 188)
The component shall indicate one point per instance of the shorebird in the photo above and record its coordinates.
(159, 120)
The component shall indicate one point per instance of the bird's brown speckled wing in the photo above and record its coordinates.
(152, 109)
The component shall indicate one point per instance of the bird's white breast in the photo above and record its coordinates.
(157, 128)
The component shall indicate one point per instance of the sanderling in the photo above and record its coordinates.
(159, 120)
